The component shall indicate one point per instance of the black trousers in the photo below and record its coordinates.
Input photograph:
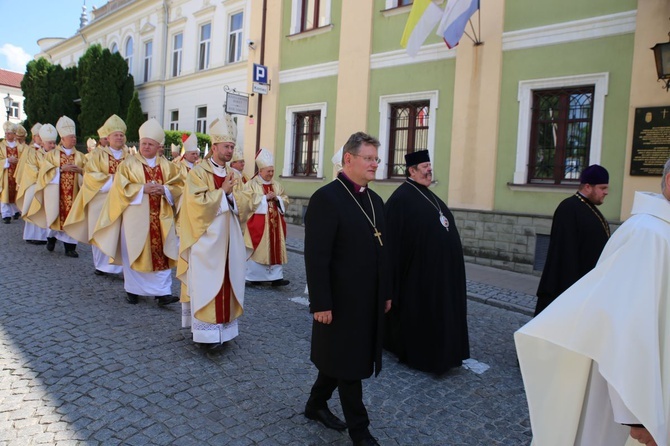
(351, 397)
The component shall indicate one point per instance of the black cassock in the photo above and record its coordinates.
(579, 233)
(346, 273)
(427, 325)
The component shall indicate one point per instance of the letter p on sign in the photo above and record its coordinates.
(260, 74)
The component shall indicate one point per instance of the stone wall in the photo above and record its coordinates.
(498, 239)
(501, 240)
(296, 210)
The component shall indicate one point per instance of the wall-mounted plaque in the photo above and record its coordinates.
(651, 141)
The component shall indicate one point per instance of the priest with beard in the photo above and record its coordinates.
(212, 252)
(596, 362)
(579, 233)
(427, 325)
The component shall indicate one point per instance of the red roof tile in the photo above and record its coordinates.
(10, 78)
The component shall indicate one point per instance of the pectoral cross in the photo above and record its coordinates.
(379, 236)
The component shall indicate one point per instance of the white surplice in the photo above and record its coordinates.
(599, 355)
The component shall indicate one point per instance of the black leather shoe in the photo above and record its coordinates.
(7, 220)
(100, 273)
(72, 254)
(167, 300)
(325, 417)
(131, 298)
(51, 243)
(17, 215)
(368, 441)
(280, 282)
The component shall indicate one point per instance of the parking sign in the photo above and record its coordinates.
(260, 74)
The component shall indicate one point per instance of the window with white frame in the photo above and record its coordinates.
(148, 50)
(14, 110)
(560, 134)
(174, 119)
(304, 140)
(235, 37)
(406, 124)
(408, 133)
(129, 54)
(114, 49)
(309, 14)
(397, 3)
(201, 120)
(560, 127)
(203, 46)
(306, 136)
(177, 46)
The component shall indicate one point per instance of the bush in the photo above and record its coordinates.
(175, 137)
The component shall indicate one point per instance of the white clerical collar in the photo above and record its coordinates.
(116, 153)
(189, 164)
(37, 145)
(151, 161)
(266, 182)
(67, 151)
(219, 171)
(11, 144)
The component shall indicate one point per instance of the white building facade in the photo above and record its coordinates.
(181, 53)
(10, 85)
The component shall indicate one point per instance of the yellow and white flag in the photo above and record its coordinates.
(423, 17)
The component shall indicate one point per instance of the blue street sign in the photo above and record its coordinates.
(260, 74)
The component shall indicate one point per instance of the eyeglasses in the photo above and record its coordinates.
(369, 159)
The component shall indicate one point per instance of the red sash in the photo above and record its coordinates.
(113, 164)
(225, 294)
(66, 188)
(276, 222)
(11, 181)
(159, 260)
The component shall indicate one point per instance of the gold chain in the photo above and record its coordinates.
(606, 226)
(436, 204)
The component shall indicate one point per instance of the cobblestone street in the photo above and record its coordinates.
(81, 366)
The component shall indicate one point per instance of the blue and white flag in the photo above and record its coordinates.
(454, 19)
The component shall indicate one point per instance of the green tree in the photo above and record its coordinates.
(35, 87)
(50, 92)
(103, 82)
(134, 118)
(63, 95)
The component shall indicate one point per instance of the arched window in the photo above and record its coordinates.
(129, 54)
(115, 48)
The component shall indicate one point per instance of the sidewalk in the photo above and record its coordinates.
(492, 286)
(79, 366)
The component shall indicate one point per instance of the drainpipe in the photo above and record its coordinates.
(165, 60)
(259, 113)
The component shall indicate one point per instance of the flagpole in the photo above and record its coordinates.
(479, 22)
(476, 41)
(473, 40)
